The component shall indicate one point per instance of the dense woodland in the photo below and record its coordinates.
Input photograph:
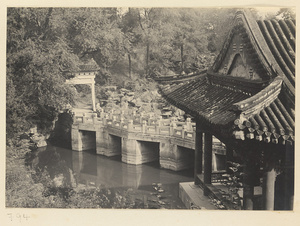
(43, 44)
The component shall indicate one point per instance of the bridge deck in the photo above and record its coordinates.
(175, 138)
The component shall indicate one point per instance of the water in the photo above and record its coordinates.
(68, 168)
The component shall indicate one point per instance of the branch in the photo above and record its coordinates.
(46, 24)
(140, 22)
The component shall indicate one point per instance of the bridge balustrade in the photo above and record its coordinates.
(109, 121)
(189, 135)
(150, 130)
(136, 128)
(177, 133)
(144, 123)
(116, 124)
(176, 139)
(164, 130)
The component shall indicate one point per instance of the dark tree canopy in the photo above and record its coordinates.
(44, 43)
(37, 56)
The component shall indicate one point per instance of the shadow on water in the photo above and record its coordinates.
(69, 169)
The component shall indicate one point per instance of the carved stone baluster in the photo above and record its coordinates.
(83, 118)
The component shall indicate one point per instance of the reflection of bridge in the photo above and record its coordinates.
(141, 138)
(98, 171)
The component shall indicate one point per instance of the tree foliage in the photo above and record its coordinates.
(37, 57)
(44, 43)
(95, 32)
(173, 40)
(287, 13)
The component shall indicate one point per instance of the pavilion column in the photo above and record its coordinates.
(289, 163)
(198, 153)
(229, 157)
(248, 186)
(269, 189)
(93, 95)
(248, 197)
(207, 159)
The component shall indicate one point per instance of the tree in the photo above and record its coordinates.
(43, 43)
(37, 57)
(173, 39)
(94, 32)
(128, 24)
(147, 26)
(188, 36)
(287, 13)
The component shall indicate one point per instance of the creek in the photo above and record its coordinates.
(152, 186)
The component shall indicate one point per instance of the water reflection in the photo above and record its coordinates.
(91, 169)
(67, 168)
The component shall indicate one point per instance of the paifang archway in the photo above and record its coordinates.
(86, 75)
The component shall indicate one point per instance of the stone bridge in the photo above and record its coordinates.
(141, 138)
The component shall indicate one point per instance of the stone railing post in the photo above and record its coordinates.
(111, 114)
(102, 114)
(83, 118)
(106, 116)
(141, 117)
(150, 114)
(144, 126)
(122, 115)
(122, 120)
(189, 126)
(159, 121)
(173, 126)
(184, 129)
(94, 115)
(130, 125)
(158, 124)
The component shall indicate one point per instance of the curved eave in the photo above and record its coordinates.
(210, 103)
(261, 99)
(269, 120)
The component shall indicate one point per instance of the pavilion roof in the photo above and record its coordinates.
(208, 97)
(261, 110)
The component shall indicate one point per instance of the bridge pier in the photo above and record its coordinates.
(173, 146)
(101, 141)
(76, 139)
(107, 144)
(175, 157)
(129, 151)
(139, 152)
(83, 140)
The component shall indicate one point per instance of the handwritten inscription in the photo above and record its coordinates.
(18, 217)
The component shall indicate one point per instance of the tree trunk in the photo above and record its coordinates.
(181, 56)
(129, 64)
(45, 26)
(147, 58)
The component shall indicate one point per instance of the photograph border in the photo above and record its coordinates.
(139, 217)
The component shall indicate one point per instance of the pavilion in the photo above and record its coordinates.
(247, 100)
